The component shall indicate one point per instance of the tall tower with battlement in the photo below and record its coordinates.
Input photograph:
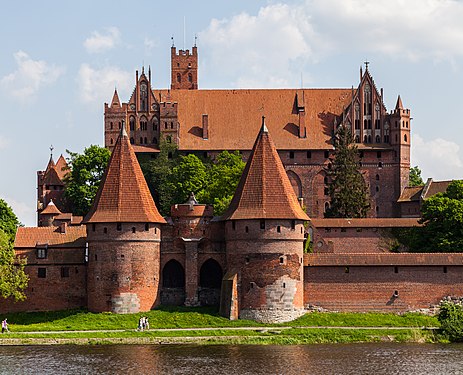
(184, 69)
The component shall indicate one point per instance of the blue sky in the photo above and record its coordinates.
(60, 62)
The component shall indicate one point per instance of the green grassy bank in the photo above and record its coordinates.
(204, 325)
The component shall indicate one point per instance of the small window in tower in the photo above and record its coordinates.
(445, 269)
(327, 154)
(282, 260)
(179, 78)
(233, 224)
(405, 137)
(291, 154)
(119, 226)
(190, 78)
(178, 65)
(171, 125)
(279, 229)
(396, 269)
(141, 140)
(309, 154)
(155, 230)
(105, 230)
(262, 224)
(111, 125)
(134, 229)
(147, 227)
(246, 260)
(377, 188)
(145, 140)
(377, 177)
(42, 253)
(293, 224)
(246, 229)
(380, 164)
(41, 273)
(64, 271)
(111, 141)
(346, 269)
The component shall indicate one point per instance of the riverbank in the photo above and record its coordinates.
(204, 326)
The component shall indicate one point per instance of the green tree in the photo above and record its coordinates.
(85, 173)
(415, 177)
(347, 188)
(13, 280)
(223, 178)
(189, 175)
(451, 320)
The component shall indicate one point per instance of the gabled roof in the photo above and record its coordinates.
(123, 195)
(233, 116)
(74, 236)
(411, 194)
(61, 167)
(433, 187)
(115, 102)
(264, 191)
(51, 164)
(52, 177)
(51, 209)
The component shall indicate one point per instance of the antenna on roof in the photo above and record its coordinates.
(196, 39)
(184, 31)
(172, 38)
(51, 150)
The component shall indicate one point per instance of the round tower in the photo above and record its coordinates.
(123, 234)
(264, 236)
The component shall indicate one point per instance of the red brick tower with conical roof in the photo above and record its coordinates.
(123, 235)
(264, 236)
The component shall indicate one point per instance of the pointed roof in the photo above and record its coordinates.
(61, 167)
(115, 101)
(399, 104)
(264, 191)
(51, 164)
(52, 177)
(51, 209)
(123, 195)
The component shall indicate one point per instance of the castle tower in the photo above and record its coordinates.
(49, 214)
(400, 141)
(184, 69)
(264, 236)
(114, 117)
(123, 235)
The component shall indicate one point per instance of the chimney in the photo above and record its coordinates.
(205, 126)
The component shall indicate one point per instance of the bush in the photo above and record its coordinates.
(451, 320)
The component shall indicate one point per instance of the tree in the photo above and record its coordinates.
(223, 178)
(346, 185)
(415, 177)
(13, 280)
(85, 173)
(451, 320)
(189, 175)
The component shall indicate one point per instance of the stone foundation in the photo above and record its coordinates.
(271, 315)
(125, 303)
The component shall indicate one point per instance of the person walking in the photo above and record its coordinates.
(5, 326)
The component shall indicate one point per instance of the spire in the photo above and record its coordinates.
(264, 191)
(123, 195)
(115, 101)
(51, 162)
(62, 167)
(399, 104)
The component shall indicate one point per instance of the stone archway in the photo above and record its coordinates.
(210, 282)
(295, 182)
(173, 283)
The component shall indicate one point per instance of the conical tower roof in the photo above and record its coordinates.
(399, 104)
(61, 167)
(51, 209)
(264, 191)
(115, 101)
(123, 195)
(51, 164)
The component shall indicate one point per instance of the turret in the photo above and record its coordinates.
(184, 69)
(123, 234)
(264, 236)
(47, 216)
(400, 141)
(114, 118)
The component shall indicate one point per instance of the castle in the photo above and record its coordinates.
(125, 257)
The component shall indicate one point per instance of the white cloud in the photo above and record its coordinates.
(150, 44)
(437, 158)
(101, 42)
(97, 85)
(29, 76)
(26, 213)
(271, 48)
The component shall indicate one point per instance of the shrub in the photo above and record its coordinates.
(451, 320)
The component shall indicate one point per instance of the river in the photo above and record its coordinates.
(385, 358)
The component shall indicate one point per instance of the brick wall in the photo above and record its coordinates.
(371, 288)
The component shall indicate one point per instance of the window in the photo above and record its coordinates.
(105, 230)
(93, 227)
(262, 224)
(278, 229)
(132, 141)
(378, 139)
(179, 78)
(119, 226)
(246, 230)
(367, 100)
(64, 271)
(132, 123)
(445, 269)
(357, 139)
(309, 154)
(282, 260)
(377, 188)
(146, 140)
(233, 225)
(326, 191)
(190, 77)
(365, 139)
(155, 141)
(147, 227)
(134, 229)
(405, 137)
(346, 269)
(380, 164)
(327, 154)
(291, 154)
(357, 115)
(293, 224)
(396, 269)
(42, 253)
(111, 141)
(377, 177)
(141, 140)
(111, 125)
(41, 273)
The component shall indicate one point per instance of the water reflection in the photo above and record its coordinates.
(228, 359)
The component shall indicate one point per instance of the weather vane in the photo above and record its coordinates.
(51, 150)
(366, 64)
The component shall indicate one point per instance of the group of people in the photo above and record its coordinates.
(143, 323)
(5, 326)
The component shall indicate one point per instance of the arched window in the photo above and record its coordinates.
(357, 139)
(146, 140)
(378, 139)
(179, 78)
(405, 137)
(143, 97)
(327, 206)
(365, 139)
(377, 177)
(295, 182)
(141, 140)
(169, 139)
(377, 117)
(190, 77)
(132, 141)
(155, 123)
(111, 125)
(357, 115)
(369, 139)
(210, 275)
(173, 275)
(155, 141)
(369, 124)
(367, 100)
(365, 124)
(132, 123)
(111, 141)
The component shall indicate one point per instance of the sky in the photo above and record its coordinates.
(60, 62)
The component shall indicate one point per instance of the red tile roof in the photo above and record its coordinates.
(435, 187)
(233, 116)
(52, 177)
(366, 223)
(51, 209)
(411, 194)
(61, 167)
(74, 236)
(264, 191)
(383, 259)
(123, 195)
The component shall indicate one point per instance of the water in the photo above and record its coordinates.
(358, 359)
